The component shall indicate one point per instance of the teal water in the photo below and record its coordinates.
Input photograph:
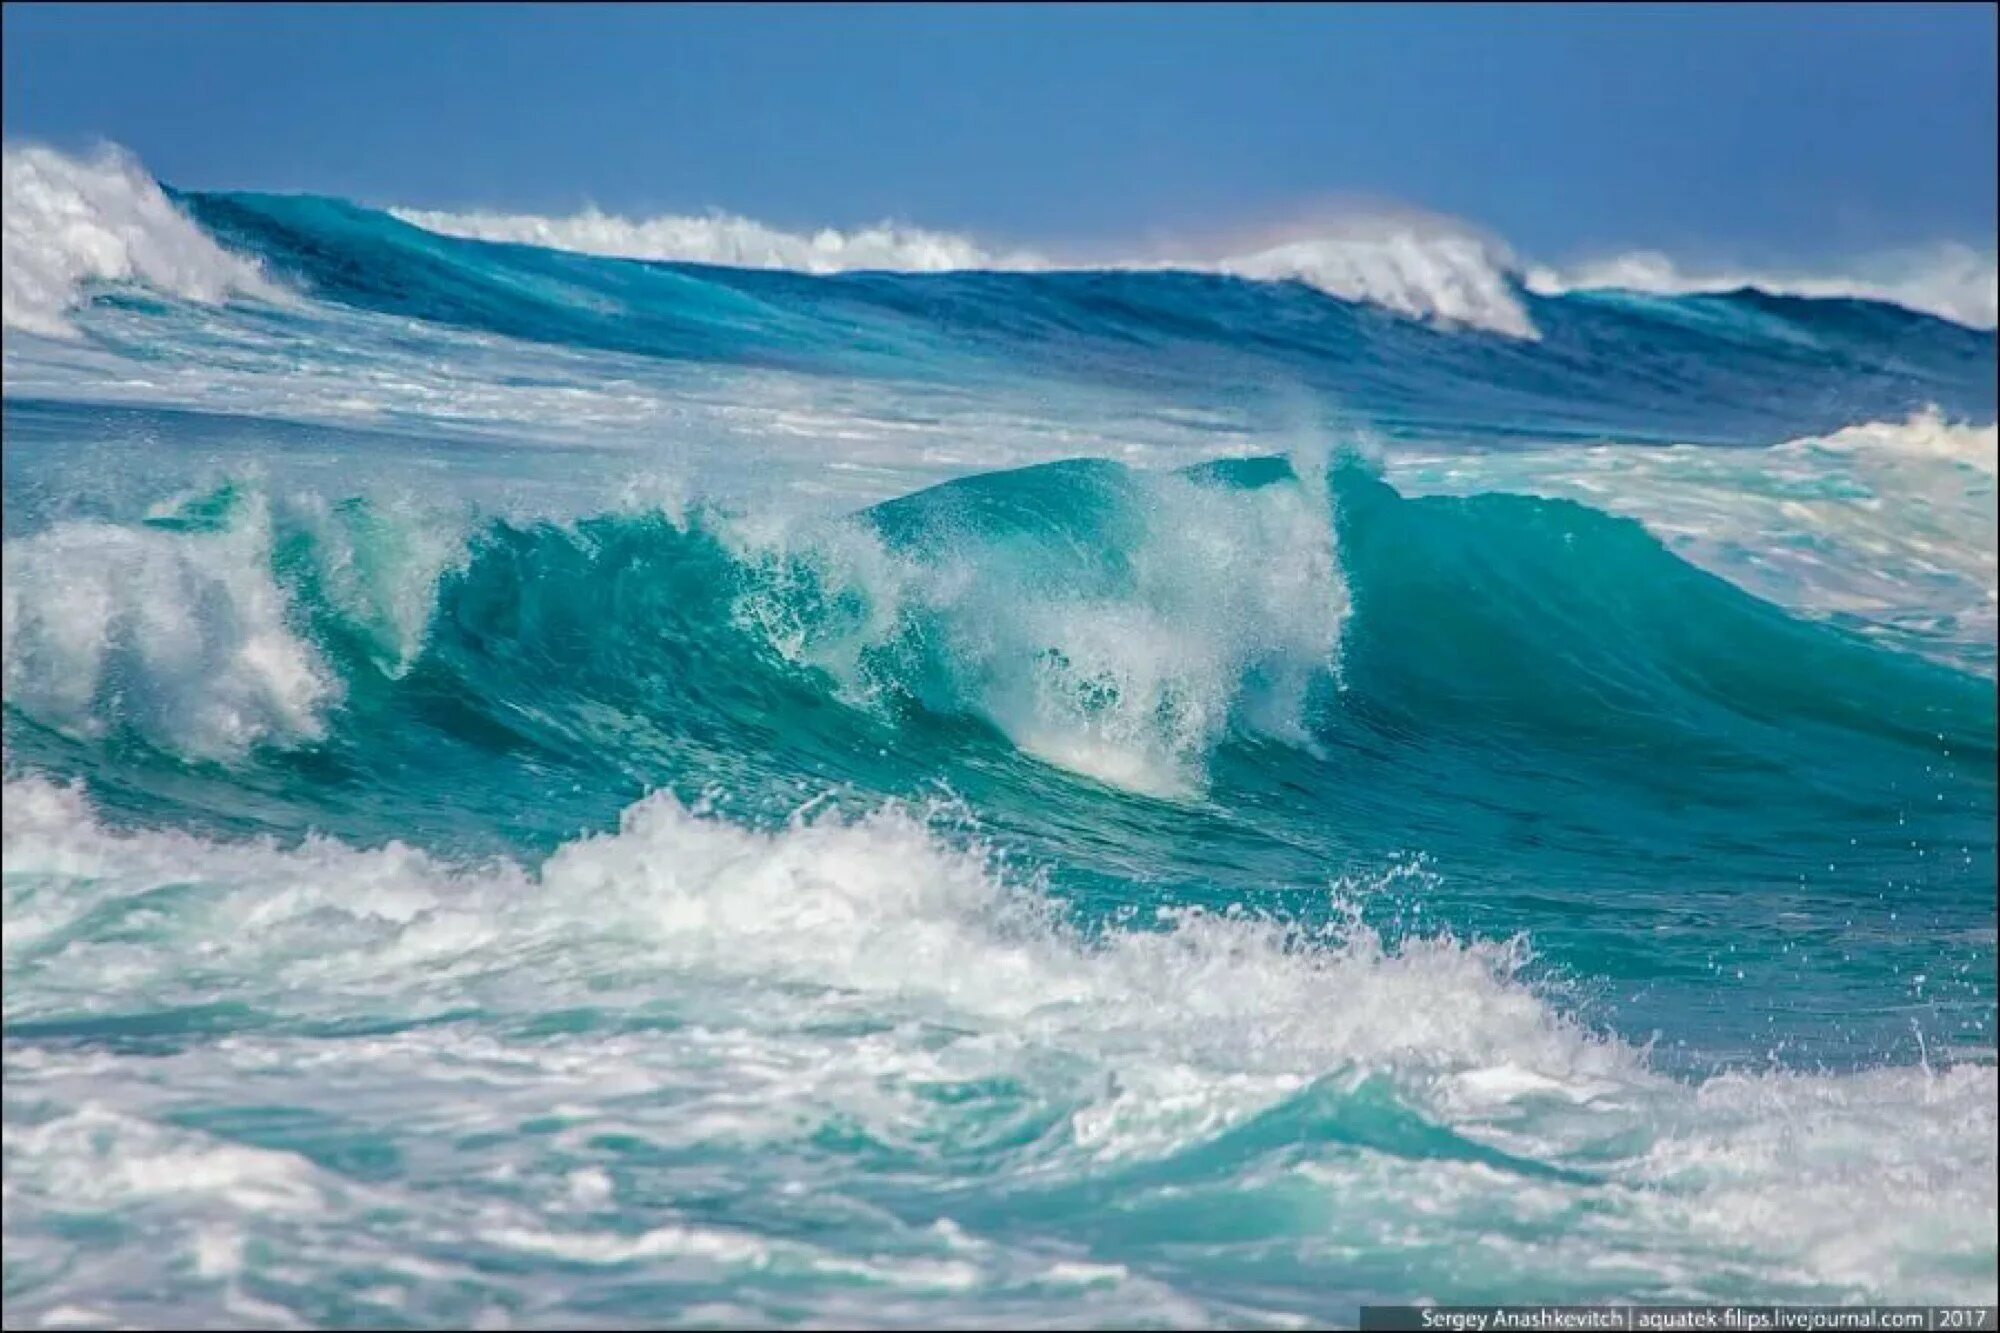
(561, 791)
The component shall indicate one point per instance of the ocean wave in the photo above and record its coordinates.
(215, 624)
(875, 904)
(1889, 525)
(1424, 268)
(1419, 265)
(224, 622)
(1123, 626)
(1115, 624)
(854, 985)
(1953, 282)
(72, 221)
(541, 789)
(180, 632)
(75, 221)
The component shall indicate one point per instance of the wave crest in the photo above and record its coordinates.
(178, 633)
(72, 221)
(719, 238)
(1953, 282)
(1113, 623)
(1925, 435)
(1422, 268)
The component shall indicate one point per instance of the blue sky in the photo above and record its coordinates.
(1783, 132)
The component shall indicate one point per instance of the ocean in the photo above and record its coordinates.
(565, 772)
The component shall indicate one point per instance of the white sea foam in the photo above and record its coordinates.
(1426, 268)
(875, 905)
(184, 636)
(180, 628)
(74, 221)
(857, 980)
(1419, 265)
(99, 1156)
(1925, 435)
(736, 242)
(1951, 281)
(1229, 606)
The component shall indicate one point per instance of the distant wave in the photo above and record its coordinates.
(1434, 269)
(71, 221)
(1424, 268)
(1953, 282)
(1428, 268)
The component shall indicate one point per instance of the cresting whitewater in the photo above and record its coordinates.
(580, 772)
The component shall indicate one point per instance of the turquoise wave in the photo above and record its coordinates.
(1136, 679)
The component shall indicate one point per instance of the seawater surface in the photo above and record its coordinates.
(892, 785)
